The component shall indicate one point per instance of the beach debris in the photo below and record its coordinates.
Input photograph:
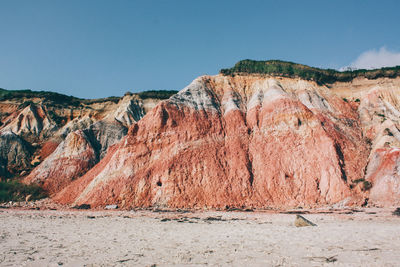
(111, 207)
(367, 249)
(218, 218)
(131, 259)
(301, 222)
(82, 207)
(28, 197)
(323, 259)
(396, 212)
(227, 208)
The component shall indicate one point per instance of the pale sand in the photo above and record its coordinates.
(127, 238)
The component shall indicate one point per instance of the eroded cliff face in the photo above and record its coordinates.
(32, 120)
(71, 159)
(223, 141)
(39, 128)
(249, 141)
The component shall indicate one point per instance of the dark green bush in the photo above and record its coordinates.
(16, 191)
(157, 94)
(57, 119)
(114, 99)
(54, 98)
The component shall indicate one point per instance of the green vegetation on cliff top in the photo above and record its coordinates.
(156, 94)
(49, 96)
(56, 98)
(294, 70)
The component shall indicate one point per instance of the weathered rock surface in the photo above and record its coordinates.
(79, 152)
(38, 126)
(380, 119)
(14, 154)
(383, 173)
(129, 111)
(105, 134)
(33, 119)
(243, 141)
(71, 159)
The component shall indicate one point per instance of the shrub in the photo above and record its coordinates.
(16, 191)
(388, 132)
(56, 99)
(157, 94)
(366, 185)
(57, 119)
(51, 97)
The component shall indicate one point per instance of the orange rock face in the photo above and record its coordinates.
(238, 141)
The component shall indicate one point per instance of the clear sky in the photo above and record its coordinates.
(98, 48)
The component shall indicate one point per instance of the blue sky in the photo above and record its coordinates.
(98, 48)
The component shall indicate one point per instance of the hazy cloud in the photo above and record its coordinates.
(374, 59)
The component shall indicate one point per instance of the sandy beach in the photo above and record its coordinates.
(368, 237)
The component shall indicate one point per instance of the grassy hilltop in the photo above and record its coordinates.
(294, 70)
(61, 99)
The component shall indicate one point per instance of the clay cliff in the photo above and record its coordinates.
(254, 141)
(271, 138)
(56, 137)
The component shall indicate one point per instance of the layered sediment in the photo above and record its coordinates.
(224, 141)
(243, 141)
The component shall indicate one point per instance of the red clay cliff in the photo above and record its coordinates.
(243, 141)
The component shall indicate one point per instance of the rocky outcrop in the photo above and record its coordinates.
(15, 154)
(129, 111)
(233, 141)
(105, 134)
(380, 119)
(32, 120)
(42, 124)
(71, 159)
(85, 144)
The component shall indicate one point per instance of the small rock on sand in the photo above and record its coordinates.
(301, 222)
